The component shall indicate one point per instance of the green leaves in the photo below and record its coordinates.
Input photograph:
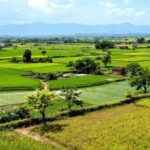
(72, 97)
(40, 101)
(141, 80)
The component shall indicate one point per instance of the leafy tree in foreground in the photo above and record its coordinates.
(141, 81)
(107, 59)
(40, 101)
(134, 69)
(71, 96)
(27, 56)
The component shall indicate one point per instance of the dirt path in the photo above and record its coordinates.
(26, 132)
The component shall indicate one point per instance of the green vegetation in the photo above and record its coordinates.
(72, 97)
(106, 93)
(119, 128)
(39, 102)
(14, 141)
(11, 79)
(84, 81)
(14, 97)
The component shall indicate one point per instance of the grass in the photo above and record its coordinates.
(11, 79)
(92, 95)
(15, 97)
(37, 67)
(13, 141)
(144, 103)
(105, 93)
(55, 108)
(124, 127)
(85, 81)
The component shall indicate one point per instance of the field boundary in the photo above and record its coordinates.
(37, 137)
(35, 121)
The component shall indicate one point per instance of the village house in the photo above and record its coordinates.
(118, 70)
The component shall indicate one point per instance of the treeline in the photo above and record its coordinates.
(63, 40)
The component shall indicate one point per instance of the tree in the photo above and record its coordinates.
(27, 56)
(40, 101)
(104, 45)
(43, 52)
(148, 41)
(141, 40)
(133, 69)
(71, 96)
(85, 65)
(107, 59)
(141, 81)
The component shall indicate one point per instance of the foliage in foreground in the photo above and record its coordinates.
(141, 80)
(125, 127)
(12, 141)
(40, 101)
(20, 113)
(72, 97)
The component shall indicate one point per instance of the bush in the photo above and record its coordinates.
(20, 113)
(51, 76)
(98, 71)
(42, 60)
(70, 64)
(45, 76)
(14, 60)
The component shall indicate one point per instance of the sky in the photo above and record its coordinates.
(75, 11)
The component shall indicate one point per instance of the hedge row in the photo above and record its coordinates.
(36, 121)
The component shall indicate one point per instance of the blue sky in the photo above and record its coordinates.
(75, 11)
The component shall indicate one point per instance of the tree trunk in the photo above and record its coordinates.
(43, 118)
(145, 90)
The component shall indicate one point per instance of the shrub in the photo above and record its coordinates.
(51, 76)
(42, 60)
(70, 64)
(14, 60)
(20, 113)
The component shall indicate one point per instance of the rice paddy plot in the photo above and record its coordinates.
(105, 93)
(8, 98)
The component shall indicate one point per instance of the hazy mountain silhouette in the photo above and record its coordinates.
(45, 29)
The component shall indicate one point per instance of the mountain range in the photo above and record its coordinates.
(46, 29)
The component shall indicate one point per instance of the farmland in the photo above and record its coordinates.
(124, 127)
(116, 127)
(15, 141)
(16, 76)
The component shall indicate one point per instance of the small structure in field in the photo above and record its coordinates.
(123, 46)
(118, 70)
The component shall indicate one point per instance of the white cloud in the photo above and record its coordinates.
(112, 8)
(126, 1)
(140, 13)
(122, 11)
(50, 6)
(109, 5)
